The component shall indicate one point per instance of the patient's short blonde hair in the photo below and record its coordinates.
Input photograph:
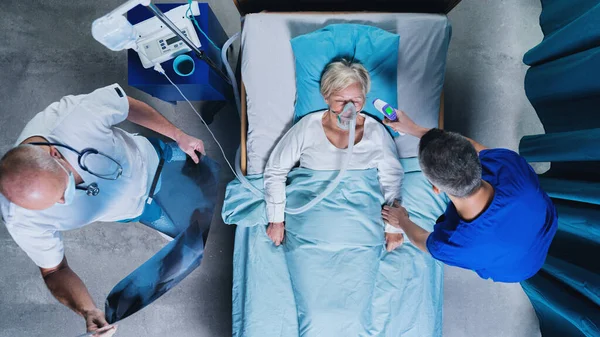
(339, 75)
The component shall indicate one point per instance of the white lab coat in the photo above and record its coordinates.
(84, 121)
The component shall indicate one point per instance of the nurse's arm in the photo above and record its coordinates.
(69, 290)
(478, 147)
(406, 125)
(417, 235)
(142, 114)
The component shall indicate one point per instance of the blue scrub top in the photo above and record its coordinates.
(509, 241)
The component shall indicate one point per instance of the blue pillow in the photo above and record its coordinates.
(374, 48)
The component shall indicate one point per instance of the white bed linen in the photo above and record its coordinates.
(268, 71)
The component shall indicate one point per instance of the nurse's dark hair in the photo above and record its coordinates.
(450, 162)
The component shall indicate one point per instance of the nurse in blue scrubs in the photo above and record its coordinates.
(499, 223)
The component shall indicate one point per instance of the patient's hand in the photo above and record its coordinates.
(395, 215)
(275, 231)
(393, 241)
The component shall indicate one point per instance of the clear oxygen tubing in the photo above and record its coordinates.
(225, 61)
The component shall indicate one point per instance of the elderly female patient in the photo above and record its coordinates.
(318, 143)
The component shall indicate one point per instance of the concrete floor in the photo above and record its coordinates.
(47, 52)
(485, 100)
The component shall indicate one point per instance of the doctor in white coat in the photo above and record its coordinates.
(70, 167)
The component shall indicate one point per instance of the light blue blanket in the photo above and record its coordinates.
(332, 276)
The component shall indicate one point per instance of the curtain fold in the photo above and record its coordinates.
(575, 190)
(558, 147)
(563, 85)
(581, 220)
(575, 277)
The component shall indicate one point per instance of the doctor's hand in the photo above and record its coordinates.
(404, 124)
(395, 215)
(96, 321)
(275, 231)
(190, 145)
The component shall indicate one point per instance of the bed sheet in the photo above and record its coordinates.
(269, 76)
(408, 298)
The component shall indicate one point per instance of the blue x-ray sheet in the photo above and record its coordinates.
(183, 208)
(332, 276)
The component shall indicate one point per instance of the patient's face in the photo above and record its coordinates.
(352, 93)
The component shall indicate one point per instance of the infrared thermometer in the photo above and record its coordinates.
(387, 110)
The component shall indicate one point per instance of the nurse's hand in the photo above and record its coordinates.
(96, 321)
(190, 145)
(275, 231)
(395, 215)
(404, 124)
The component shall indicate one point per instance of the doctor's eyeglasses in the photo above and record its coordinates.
(92, 161)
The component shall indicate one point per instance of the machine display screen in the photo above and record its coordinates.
(173, 39)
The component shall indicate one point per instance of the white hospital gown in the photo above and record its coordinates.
(307, 143)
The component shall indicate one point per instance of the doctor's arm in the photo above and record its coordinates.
(142, 114)
(69, 290)
(45, 248)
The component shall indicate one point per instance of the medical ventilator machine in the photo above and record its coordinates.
(170, 34)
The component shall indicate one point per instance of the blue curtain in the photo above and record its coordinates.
(563, 85)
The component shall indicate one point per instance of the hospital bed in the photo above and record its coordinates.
(268, 76)
(414, 306)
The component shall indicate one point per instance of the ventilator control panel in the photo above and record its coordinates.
(157, 44)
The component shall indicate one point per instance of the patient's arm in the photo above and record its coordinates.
(390, 174)
(284, 157)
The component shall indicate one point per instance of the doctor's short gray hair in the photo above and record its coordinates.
(450, 162)
(338, 75)
(21, 166)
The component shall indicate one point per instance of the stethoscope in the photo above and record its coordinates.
(91, 189)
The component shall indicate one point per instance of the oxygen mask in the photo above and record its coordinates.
(347, 117)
